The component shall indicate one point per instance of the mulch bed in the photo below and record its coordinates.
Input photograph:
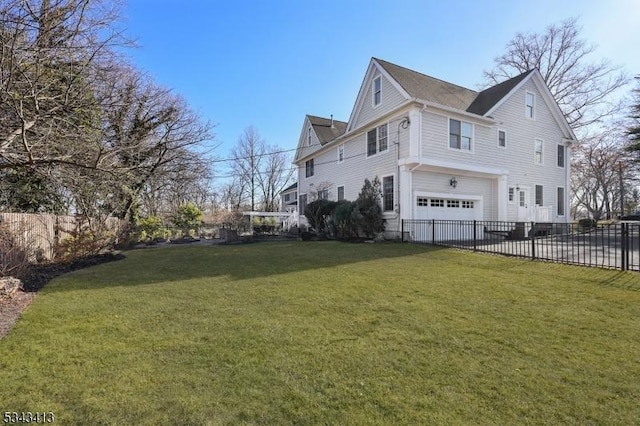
(37, 277)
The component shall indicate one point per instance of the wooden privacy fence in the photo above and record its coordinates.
(38, 234)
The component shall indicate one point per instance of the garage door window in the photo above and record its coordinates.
(437, 203)
(453, 204)
(467, 204)
(423, 202)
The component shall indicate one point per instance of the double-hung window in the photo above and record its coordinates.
(502, 139)
(537, 152)
(308, 166)
(460, 135)
(377, 91)
(539, 195)
(341, 193)
(377, 140)
(340, 153)
(387, 194)
(530, 105)
(561, 155)
(560, 201)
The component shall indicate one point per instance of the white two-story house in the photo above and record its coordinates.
(442, 151)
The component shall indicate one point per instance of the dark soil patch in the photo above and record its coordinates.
(39, 275)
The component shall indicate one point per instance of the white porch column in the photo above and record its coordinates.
(503, 194)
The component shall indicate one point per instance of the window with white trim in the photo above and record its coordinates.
(309, 137)
(512, 192)
(377, 91)
(453, 204)
(436, 202)
(561, 155)
(539, 195)
(341, 193)
(340, 153)
(560, 201)
(422, 201)
(460, 134)
(308, 167)
(387, 194)
(323, 194)
(530, 105)
(502, 139)
(537, 152)
(377, 140)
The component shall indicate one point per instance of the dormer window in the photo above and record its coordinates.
(530, 103)
(377, 91)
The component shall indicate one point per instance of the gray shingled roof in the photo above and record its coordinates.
(290, 187)
(324, 130)
(491, 96)
(431, 89)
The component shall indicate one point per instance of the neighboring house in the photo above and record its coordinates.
(442, 151)
(289, 199)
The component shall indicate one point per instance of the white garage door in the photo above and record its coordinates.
(459, 215)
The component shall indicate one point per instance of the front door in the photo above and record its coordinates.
(524, 208)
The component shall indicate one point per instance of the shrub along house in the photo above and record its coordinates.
(442, 151)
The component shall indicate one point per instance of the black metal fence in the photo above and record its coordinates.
(615, 245)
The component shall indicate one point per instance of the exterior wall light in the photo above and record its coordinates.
(453, 181)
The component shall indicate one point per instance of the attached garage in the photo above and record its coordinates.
(447, 217)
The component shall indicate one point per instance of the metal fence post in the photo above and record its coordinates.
(624, 241)
(532, 235)
(402, 230)
(475, 236)
(433, 231)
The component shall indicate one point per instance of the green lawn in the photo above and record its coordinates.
(328, 333)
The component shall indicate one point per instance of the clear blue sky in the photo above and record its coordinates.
(268, 63)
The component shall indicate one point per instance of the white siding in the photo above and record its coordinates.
(486, 188)
(390, 99)
(517, 157)
(355, 169)
(304, 148)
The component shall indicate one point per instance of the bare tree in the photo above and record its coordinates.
(50, 51)
(248, 154)
(600, 165)
(274, 176)
(582, 88)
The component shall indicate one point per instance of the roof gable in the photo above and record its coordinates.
(327, 129)
(490, 97)
(324, 129)
(424, 87)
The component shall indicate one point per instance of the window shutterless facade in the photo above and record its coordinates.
(530, 105)
(560, 201)
(502, 139)
(308, 168)
(539, 195)
(561, 155)
(460, 135)
(340, 153)
(377, 140)
(537, 152)
(377, 91)
(387, 194)
(340, 193)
